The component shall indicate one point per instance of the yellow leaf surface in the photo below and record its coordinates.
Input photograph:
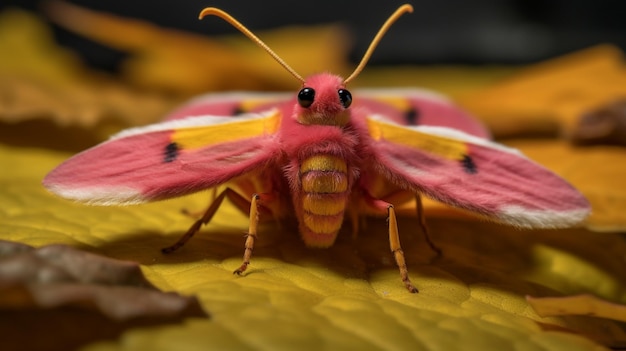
(348, 296)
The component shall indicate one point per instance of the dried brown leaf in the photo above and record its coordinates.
(604, 125)
(586, 305)
(103, 295)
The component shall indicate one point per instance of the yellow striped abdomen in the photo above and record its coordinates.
(324, 195)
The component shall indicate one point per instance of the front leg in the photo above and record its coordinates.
(252, 233)
(394, 238)
(398, 254)
(255, 207)
(206, 218)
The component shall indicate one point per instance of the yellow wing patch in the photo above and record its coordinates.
(441, 146)
(197, 137)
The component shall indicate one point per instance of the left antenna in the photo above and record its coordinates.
(230, 19)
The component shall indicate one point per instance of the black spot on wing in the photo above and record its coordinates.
(238, 110)
(412, 116)
(171, 152)
(468, 165)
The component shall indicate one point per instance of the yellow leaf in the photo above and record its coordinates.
(347, 296)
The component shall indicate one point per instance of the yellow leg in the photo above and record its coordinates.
(206, 218)
(422, 223)
(240, 202)
(401, 197)
(394, 237)
(252, 233)
(398, 254)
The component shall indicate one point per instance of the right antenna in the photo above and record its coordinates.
(393, 18)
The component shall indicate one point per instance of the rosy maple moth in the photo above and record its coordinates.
(321, 155)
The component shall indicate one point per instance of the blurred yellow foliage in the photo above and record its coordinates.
(169, 60)
(550, 97)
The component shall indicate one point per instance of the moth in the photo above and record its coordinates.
(322, 156)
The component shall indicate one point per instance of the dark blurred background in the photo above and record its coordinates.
(442, 31)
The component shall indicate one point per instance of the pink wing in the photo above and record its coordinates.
(167, 159)
(228, 104)
(422, 107)
(475, 174)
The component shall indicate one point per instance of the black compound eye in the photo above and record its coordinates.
(345, 97)
(306, 97)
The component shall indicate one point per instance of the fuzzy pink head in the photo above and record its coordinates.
(323, 100)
